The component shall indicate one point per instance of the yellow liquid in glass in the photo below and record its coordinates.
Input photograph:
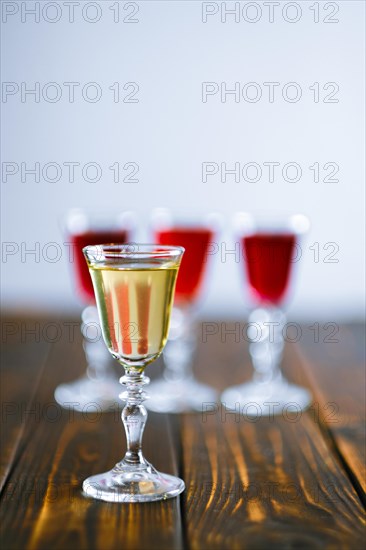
(134, 306)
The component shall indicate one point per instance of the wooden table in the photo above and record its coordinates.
(286, 482)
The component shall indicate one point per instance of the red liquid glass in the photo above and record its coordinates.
(268, 264)
(196, 242)
(83, 279)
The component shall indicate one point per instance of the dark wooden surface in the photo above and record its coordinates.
(288, 482)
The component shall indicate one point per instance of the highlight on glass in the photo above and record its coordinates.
(177, 390)
(134, 289)
(99, 383)
(270, 246)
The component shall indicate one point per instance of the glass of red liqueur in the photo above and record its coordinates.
(270, 250)
(178, 390)
(98, 384)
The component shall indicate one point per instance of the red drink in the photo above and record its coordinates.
(268, 263)
(79, 241)
(196, 242)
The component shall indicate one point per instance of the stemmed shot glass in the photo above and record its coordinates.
(134, 289)
(270, 248)
(98, 384)
(177, 390)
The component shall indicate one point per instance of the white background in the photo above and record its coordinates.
(170, 132)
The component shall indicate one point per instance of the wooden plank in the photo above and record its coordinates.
(250, 485)
(333, 370)
(23, 354)
(42, 502)
(265, 483)
(336, 372)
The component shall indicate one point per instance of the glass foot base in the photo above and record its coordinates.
(266, 399)
(132, 485)
(86, 395)
(179, 397)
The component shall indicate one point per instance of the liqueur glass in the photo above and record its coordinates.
(177, 390)
(98, 384)
(270, 248)
(134, 290)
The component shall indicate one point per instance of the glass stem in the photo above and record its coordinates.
(134, 416)
(179, 349)
(97, 356)
(267, 343)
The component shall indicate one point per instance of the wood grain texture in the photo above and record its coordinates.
(277, 483)
(23, 355)
(43, 506)
(268, 483)
(336, 372)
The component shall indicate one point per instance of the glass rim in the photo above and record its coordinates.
(164, 219)
(246, 222)
(132, 250)
(78, 220)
